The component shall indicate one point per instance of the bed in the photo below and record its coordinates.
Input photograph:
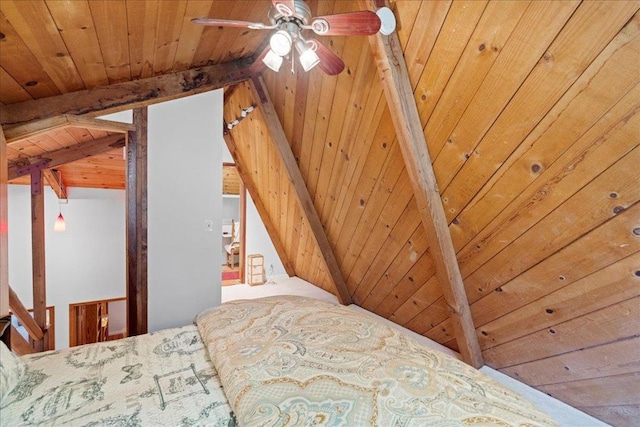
(276, 361)
(163, 378)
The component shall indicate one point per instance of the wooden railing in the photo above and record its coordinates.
(39, 339)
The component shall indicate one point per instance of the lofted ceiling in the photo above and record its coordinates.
(53, 47)
(531, 113)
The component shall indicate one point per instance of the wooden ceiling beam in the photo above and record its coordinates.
(38, 127)
(65, 155)
(250, 185)
(392, 68)
(127, 95)
(283, 148)
(248, 182)
(54, 178)
(258, 66)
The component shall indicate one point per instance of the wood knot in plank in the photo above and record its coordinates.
(618, 209)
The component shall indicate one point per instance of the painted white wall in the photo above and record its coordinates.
(231, 208)
(117, 317)
(121, 116)
(259, 242)
(226, 154)
(185, 191)
(85, 263)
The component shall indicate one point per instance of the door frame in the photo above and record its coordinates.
(243, 224)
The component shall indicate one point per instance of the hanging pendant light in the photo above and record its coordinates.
(59, 225)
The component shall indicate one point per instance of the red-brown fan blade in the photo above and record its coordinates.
(330, 63)
(230, 23)
(285, 7)
(363, 23)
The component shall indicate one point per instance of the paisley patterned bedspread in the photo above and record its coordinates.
(164, 378)
(295, 361)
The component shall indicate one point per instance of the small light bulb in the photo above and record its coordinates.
(272, 61)
(280, 43)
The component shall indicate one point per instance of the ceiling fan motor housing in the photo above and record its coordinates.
(302, 14)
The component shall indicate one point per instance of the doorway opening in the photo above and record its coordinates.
(233, 225)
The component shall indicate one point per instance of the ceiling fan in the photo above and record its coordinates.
(291, 17)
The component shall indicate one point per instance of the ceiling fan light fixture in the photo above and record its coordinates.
(272, 61)
(308, 58)
(280, 43)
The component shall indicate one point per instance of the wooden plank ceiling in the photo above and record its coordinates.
(531, 112)
(54, 47)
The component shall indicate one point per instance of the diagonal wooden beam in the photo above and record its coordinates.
(54, 178)
(252, 188)
(397, 88)
(258, 66)
(19, 344)
(283, 148)
(127, 95)
(20, 311)
(32, 129)
(66, 155)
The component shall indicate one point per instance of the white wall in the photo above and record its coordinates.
(259, 242)
(231, 208)
(117, 317)
(85, 263)
(184, 176)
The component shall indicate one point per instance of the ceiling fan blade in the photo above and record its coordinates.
(285, 7)
(363, 23)
(230, 23)
(330, 63)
